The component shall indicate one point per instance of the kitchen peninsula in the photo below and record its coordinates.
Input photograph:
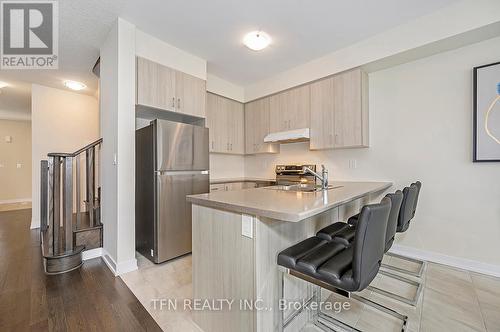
(237, 236)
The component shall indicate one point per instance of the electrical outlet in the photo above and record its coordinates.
(247, 226)
(19, 165)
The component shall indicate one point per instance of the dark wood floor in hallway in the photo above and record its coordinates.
(88, 299)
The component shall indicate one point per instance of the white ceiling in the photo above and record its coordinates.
(302, 30)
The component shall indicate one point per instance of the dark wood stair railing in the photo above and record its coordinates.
(66, 229)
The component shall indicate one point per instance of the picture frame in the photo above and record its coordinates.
(486, 94)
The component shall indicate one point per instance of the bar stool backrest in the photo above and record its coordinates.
(407, 206)
(418, 184)
(392, 224)
(369, 242)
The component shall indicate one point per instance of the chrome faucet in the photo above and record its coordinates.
(323, 177)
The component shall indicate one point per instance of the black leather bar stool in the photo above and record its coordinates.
(403, 225)
(343, 233)
(340, 268)
(402, 211)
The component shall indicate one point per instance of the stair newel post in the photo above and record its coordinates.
(90, 184)
(68, 203)
(56, 210)
(50, 221)
(78, 192)
(44, 185)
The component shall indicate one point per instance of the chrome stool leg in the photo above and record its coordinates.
(417, 274)
(413, 301)
(384, 309)
(323, 320)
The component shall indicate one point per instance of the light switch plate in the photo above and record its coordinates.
(8, 139)
(247, 226)
(18, 165)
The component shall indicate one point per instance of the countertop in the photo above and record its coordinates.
(287, 205)
(241, 179)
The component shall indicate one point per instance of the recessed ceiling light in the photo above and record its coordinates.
(257, 40)
(73, 85)
(3, 85)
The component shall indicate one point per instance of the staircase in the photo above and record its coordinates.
(70, 212)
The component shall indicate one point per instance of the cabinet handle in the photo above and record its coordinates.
(173, 102)
(231, 146)
(178, 102)
(212, 145)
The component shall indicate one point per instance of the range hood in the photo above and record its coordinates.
(289, 136)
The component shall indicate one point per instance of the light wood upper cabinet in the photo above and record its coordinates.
(257, 127)
(191, 94)
(225, 120)
(236, 127)
(168, 89)
(155, 85)
(339, 111)
(290, 109)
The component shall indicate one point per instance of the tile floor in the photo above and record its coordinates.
(452, 300)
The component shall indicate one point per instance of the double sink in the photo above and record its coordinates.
(301, 188)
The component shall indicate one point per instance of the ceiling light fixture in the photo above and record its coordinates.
(3, 85)
(73, 85)
(257, 40)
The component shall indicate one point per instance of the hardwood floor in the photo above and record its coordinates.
(88, 299)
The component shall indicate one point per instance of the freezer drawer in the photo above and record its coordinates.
(173, 236)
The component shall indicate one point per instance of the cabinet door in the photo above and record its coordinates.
(298, 107)
(236, 127)
(216, 123)
(190, 94)
(257, 127)
(155, 85)
(249, 185)
(339, 111)
(251, 114)
(217, 187)
(322, 115)
(348, 109)
(290, 109)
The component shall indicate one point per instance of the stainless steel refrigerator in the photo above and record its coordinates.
(172, 161)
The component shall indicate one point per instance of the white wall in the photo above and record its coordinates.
(117, 91)
(421, 129)
(154, 49)
(61, 121)
(16, 182)
(225, 88)
(466, 15)
(223, 166)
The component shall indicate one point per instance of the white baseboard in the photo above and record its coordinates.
(17, 200)
(457, 262)
(92, 253)
(35, 224)
(120, 268)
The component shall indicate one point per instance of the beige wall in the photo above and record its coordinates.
(62, 121)
(15, 183)
(421, 129)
